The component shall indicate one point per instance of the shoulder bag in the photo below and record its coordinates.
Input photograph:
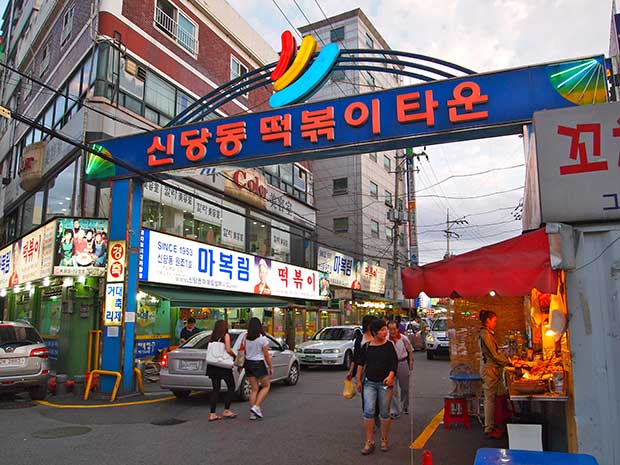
(217, 355)
(240, 358)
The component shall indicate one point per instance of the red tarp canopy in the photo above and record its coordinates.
(510, 268)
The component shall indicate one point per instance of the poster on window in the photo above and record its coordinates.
(81, 247)
(169, 259)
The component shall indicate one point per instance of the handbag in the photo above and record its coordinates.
(217, 355)
(348, 391)
(240, 358)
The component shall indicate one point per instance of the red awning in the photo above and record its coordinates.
(510, 268)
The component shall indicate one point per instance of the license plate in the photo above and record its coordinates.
(443, 345)
(12, 362)
(191, 365)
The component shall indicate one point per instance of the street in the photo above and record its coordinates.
(306, 423)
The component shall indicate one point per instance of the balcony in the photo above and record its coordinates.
(184, 37)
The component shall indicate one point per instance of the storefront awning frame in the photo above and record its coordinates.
(196, 297)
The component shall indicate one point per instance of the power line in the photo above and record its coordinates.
(471, 174)
(473, 197)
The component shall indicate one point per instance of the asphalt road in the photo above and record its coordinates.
(304, 424)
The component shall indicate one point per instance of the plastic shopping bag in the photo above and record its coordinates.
(348, 391)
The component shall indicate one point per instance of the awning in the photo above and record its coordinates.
(192, 297)
(510, 268)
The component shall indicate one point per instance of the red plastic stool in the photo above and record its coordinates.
(455, 412)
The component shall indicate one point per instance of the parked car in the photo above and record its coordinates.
(185, 369)
(332, 346)
(24, 364)
(437, 339)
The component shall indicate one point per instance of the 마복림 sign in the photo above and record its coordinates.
(345, 271)
(470, 107)
(173, 260)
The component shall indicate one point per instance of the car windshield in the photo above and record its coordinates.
(199, 341)
(19, 334)
(334, 334)
(440, 325)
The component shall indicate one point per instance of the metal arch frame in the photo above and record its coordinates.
(259, 77)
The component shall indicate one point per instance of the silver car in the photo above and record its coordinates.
(333, 345)
(184, 370)
(24, 364)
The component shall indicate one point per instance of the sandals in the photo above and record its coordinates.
(384, 445)
(230, 416)
(369, 448)
(214, 418)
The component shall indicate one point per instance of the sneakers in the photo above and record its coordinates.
(369, 448)
(256, 410)
(252, 416)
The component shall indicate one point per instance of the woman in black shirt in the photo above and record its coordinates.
(379, 363)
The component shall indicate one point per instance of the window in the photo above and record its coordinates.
(369, 42)
(341, 225)
(237, 69)
(61, 195)
(45, 60)
(373, 156)
(174, 23)
(389, 234)
(388, 199)
(337, 34)
(338, 75)
(260, 237)
(370, 80)
(67, 26)
(341, 186)
(374, 190)
(387, 163)
(159, 95)
(374, 228)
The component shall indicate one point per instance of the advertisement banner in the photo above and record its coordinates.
(148, 347)
(345, 271)
(81, 247)
(30, 254)
(578, 165)
(113, 315)
(117, 262)
(173, 260)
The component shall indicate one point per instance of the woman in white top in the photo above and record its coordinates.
(258, 366)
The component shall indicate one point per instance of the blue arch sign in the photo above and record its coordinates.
(469, 107)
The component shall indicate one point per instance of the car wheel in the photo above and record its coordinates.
(348, 357)
(181, 394)
(429, 355)
(38, 392)
(245, 389)
(293, 375)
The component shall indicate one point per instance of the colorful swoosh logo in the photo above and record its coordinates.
(297, 76)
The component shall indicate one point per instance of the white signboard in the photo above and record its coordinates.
(233, 230)
(173, 260)
(578, 153)
(6, 267)
(31, 253)
(113, 315)
(345, 271)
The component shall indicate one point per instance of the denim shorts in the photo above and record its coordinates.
(376, 393)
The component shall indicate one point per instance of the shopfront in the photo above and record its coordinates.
(180, 278)
(51, 278)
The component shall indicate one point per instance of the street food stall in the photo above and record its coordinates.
(514, 279)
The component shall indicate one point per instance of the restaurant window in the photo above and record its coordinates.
(374, 190)
(336, 34)
(340, 186)
(341, 225)
(61, 193)
(387, 163)
(259, 233)
(388, 199)
(374, 228)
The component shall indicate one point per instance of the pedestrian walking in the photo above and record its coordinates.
(404, 352)
(493, 363)
(218, 373)
(378, 363)
(258, 366)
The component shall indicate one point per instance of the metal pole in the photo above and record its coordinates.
(411, 209)
(395, 236)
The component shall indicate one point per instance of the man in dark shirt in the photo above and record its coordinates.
(189, 330)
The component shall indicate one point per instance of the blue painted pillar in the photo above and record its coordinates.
(125, 223)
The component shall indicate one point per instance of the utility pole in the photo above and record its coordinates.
(449, 234)
(414, 256)
(396, 221)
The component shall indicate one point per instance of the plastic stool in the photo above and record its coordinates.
(455, 412)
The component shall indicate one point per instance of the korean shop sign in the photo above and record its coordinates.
(578, 154)
(113, 315)
(348, 272)
(173, 260)
(463, 108)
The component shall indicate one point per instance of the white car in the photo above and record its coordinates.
(331, 346)
(437, 341)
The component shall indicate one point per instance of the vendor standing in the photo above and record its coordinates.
(493, 363)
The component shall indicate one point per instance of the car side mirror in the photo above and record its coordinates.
(285, 346)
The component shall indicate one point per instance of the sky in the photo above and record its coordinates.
(483, 35)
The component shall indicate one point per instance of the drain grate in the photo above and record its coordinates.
(167, 422)
(62, 432)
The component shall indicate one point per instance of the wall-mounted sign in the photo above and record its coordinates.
(116, 261)
(578, 163)
(345, 271)
(173, 260)
(247, 185)
(31, 166)
(32, 255)
(81, 247)
(113, 311)
(461, 108)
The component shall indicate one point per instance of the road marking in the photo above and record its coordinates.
(421, 440)
(122, 404)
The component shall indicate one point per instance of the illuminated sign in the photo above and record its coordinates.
(470, 107)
